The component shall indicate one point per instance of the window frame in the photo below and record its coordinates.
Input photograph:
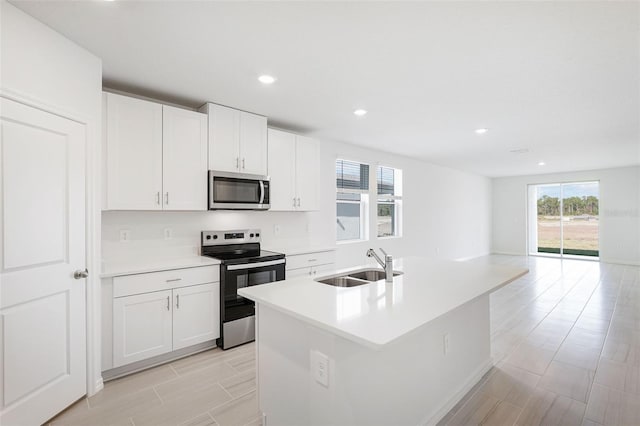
(364, 203)
(395, 200)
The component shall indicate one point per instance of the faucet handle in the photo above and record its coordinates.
(384, 252)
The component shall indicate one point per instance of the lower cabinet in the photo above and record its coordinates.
(312, 263)
(160, 312)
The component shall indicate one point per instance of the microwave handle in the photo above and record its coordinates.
(261, 192)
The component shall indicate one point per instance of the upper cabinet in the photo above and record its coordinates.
(294, 168)
(156, 156)
(237, 140)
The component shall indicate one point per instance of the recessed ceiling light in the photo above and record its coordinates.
(542, 163)
(482, 131)
(266, 79)
(360, 112)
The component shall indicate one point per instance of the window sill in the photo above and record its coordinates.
(350, 242)
(391, 237)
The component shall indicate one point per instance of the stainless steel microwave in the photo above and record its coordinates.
(238, 191)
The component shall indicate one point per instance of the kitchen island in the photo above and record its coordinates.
(400, 353)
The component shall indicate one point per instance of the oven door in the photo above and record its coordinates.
(245, 275)
(235, 191)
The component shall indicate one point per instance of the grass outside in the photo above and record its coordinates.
(579, 235)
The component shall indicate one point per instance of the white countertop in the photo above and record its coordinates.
(293, 251)
(376, 314)
(142, 265)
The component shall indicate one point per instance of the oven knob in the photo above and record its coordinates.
(215, 237)
(208, 237)
(251, 235)
(257, 235)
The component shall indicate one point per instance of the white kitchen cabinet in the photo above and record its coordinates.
(310, 263)
(184, 159)
(294, 167)
(237, 140)
(133, 153)
(159, 312)
(156, 156)
(142, 326)
(196, 315)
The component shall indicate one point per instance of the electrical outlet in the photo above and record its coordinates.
(168, 233)
(445, 343)
(125, 235)
(320, 367)
(276, 230)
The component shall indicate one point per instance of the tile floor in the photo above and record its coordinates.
(565, 342)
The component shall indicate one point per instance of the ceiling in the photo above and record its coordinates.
(557, 80)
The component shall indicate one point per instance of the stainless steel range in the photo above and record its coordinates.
(243, 264)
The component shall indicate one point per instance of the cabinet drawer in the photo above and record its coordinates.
(310, 259)
(164, 280)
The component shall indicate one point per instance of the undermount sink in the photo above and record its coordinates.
(357, 278)
(372, 274)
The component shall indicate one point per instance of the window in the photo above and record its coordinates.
(352, 189)
(389, 201)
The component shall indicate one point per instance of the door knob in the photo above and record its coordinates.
(79, 274)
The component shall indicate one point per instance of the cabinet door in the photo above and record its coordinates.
(184, 149)
(307, 173)
(282, 157)
(224, 138)
(133, 153)
(299, 272)
(196, 314)
(253, 143)
(141, 326)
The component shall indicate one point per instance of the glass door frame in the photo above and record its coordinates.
(532, 220)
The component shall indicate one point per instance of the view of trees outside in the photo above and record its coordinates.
(578, 222)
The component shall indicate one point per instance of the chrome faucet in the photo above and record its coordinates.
(387, 264)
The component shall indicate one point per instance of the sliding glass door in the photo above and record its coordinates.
(564, 219)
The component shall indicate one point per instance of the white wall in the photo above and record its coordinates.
(619, 211)
(41, 68)
(444, 209)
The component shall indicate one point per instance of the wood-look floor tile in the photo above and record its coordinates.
(240, 384)
(203, 419)
(511, 384)
(612, 407)
(578, 356)
(204, 359)
(531, 358)
(611, 374)
(244, 362)
(192, 382)
(588, 338)
(549, 409)
(587, 422)
(504, 414)
(237, 412)
(474, 410)
(184, 406)
(255, 422)
(568, 380)
(116, 412)
(121, 388)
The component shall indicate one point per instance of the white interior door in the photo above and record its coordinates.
(42, 306)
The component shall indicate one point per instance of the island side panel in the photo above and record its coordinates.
(408, 382)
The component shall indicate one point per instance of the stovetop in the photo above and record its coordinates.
(245, 256)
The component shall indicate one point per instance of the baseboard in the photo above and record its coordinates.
(508, 253)
(620, 261)
(98, 386)
(462, 391)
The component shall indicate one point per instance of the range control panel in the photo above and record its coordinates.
(212, 238)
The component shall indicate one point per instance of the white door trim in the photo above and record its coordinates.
(93, 224)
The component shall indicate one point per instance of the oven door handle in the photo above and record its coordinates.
(255, 265)
(261, 191)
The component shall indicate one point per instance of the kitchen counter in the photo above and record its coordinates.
(143, 265)
(294, 251)
(402, 353)
(376, 314)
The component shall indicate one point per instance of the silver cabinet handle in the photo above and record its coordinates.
(173, 280)
(80, 274)
(294, 201)
(313, 260)
(243, 164)
(158, 198)
(177, 301)
(168, 303)
(166, 197)
(298, 201)
(237, 162)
